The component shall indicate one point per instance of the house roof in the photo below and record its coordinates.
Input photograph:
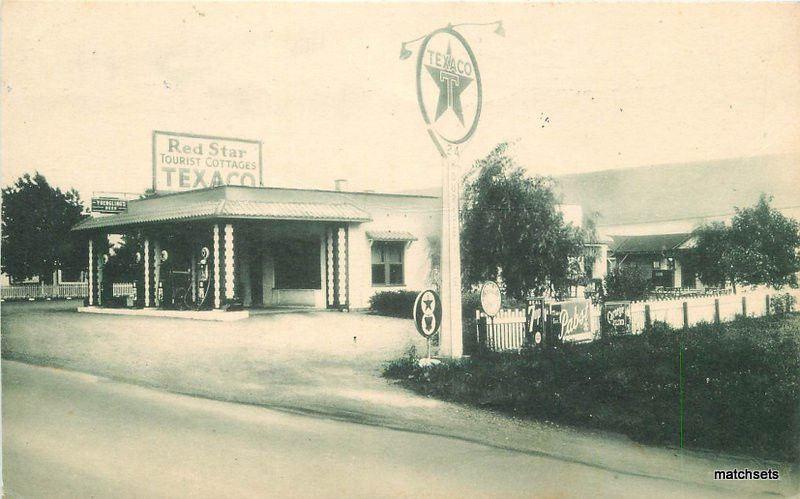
(229, 202)
(649, 244)
(683, 191)
(390, 235)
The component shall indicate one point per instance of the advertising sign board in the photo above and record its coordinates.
(570, 320)
(616, 318)
(183, 162)
(535, 321)
(109, 205)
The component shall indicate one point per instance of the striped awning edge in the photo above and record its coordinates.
(390, 235)
(231, 209)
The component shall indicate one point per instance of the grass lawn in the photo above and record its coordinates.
(733, 387)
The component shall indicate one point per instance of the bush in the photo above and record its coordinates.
(733, 387)
(782, 304)
(394, 303)
(626, 283)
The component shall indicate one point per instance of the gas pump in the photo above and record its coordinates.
(138, 282)
(203, 278)
(106, 286)
(163, 288)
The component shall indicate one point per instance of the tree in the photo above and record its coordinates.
(709, 257)
(759, 247)
(122, 265)
(626, 283)
(36, 223)
(511, 228)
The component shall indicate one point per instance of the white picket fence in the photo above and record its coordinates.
(506, 331)
(58, 291)
(691, 311)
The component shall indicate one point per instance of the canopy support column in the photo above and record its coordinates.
(147, 272)
(91, 272)
(158, 290)
(217, 301)
(229, 263)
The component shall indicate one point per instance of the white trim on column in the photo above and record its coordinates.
(217, 301)
(329, 266)
(341, 241)
(100, 264)
(193, 276)
(91, 272)
(147, 272)
(229, 262)
(156, 272)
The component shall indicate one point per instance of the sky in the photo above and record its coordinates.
(574, 87)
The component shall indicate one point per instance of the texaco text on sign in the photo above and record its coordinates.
(183, 162)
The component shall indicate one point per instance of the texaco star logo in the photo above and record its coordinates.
(428, 313)
(428, 319)
(448, 87)
(451, 79)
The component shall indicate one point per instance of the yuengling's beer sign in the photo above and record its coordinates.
(183, 162)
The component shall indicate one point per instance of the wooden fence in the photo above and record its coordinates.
(58, 291)
(506, 331)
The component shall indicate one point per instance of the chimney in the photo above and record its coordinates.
(340, 184)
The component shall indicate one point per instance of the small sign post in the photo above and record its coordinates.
(428, 315)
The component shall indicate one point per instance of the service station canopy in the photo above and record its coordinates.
(231, 202)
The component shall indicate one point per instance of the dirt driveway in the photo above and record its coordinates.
(310, 363)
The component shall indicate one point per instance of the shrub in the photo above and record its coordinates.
(733, 387)
(782, 304)
(394, 303)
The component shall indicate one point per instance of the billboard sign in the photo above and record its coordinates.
(570, 320)
(183, 162)
(616, 317)
(109, 205)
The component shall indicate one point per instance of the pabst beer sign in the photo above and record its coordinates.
(571, 320)
(448, 87)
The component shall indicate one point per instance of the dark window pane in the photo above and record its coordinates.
(378, 274)
(297, 264)
(396, 273)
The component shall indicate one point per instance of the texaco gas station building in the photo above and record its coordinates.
(271, 247)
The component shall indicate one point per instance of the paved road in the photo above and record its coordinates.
(71, 434)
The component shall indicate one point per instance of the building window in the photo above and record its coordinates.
(297, 264)
(387, 263)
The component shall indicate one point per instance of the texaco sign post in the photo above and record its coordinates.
(449, 95)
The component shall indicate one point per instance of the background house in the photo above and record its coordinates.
(650, 212)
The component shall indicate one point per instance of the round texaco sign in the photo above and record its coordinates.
(428, 313)
(448, 86)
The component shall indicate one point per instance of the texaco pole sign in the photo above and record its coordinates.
(448, 88)
(449, 93)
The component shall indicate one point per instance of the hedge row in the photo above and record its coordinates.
(733, 387)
